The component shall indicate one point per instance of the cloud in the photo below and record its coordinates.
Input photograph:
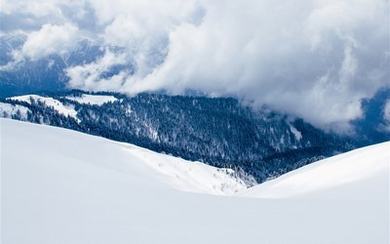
(314, 58)
(48, 40)
(91, 76)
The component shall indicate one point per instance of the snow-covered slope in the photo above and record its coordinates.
(92, 99)
(189, 176)
(352, 168)
(60, 186)
(48, 101)
(219, 131)
(178, 173)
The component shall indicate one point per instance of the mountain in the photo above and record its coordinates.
(219, 131)
(43, 74)
(61, 186)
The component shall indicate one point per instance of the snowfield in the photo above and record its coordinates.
(61, 186)
(92, 99)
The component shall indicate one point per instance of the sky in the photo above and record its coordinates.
(316, 59)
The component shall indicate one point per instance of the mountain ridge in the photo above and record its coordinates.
(219, 131)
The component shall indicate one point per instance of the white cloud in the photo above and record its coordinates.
(159, 12)
(314, 58)
(48, 40)
(36, 8)
(89, 76)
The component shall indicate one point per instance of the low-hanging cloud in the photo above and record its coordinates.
(314, 58)
(48, 40)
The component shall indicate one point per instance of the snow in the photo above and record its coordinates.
(330, 173)
(66, 110)
(61, 186)
(92, 99)
(190, 176)
(297, 134)
(7, 110)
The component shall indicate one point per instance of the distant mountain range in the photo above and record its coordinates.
(218, 131)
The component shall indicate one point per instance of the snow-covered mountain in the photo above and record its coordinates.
(61, 186)
(219, 131)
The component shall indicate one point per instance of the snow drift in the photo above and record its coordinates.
(61, 186)
(351, 168)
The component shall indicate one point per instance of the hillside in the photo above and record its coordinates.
(61, 186)
(368, 165)
(219, 131)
